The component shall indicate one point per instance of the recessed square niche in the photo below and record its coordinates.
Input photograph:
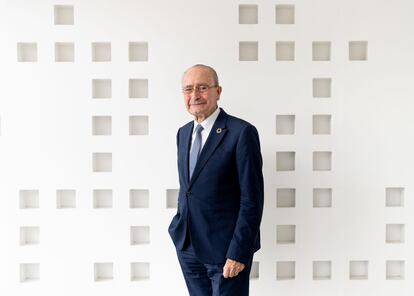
(285, 14)
(138, 51)
(138, 88)
(285, 197)
(358, 270)
(140, 271)
(321, 270)
(101, 88)
(101, 125)
(322, 160)
(321, 124)
(248, 14)
(285, 161)
(102, 198)
(285, 124)
(358, 50)
(321, 51)
(285, 270)
(394, 233)
(285, 234)
(101, 51)
(29, 199)
(138, 125)
(395, 270)
(65, 198)
(102, 162)
(321, 87)
(27, 52)
(104, 271)
(138, 198)
(64, 15)
(394, 196)
(64, 52)
(172, 198)
(322, 197)
(29, 235)
(140, 235)
(254, 271)
(248, 51)
(285, 50)
(29, 272)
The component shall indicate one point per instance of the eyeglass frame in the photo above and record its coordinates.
(197, 88)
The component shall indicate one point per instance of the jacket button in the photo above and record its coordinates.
(188, 193)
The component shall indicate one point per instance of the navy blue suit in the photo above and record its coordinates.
(220, 207)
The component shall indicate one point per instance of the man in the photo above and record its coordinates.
(220, 203)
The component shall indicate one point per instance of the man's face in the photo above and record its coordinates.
(198, 103)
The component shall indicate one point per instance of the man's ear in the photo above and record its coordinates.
(219, 89)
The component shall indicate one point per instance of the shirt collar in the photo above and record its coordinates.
(209, 121)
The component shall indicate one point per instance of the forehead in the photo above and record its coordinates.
(197, 75)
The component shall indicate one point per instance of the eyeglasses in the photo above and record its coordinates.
(202, 88)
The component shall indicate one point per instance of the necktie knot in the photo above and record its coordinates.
(199, 128)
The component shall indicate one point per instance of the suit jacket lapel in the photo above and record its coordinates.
(217, 133)
(187, 133)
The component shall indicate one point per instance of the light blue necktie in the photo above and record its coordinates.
(195, 150)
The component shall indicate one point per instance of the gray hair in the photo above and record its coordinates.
(212, 71)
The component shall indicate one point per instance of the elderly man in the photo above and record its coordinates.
(220, 203)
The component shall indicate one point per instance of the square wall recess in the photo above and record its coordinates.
(358, 50)
(65, 198)
(29, 272)
(29, 235)
(285, 161)
(285, 50)
(321, 124)
(322, 160)
(140, 235)
(285, 234)
(395, 270)
(64, 52)
(172, 198)
(138, 88)
(322, 197)
(248, 14)
(101, 88)
(285, 270)
(101, 52)
(138, 51)
(285, 124)
(394, 196)
(285, 14)
(254, 271)
(138, 198)
(140, 271)
(102, 198)
(138, 125)
(101, 125)
(103, 271)
(321, 51)
(321, 270)
(358, 270)
(64, 14)
(102, 162)
(321, 87)
(248, 51)
(285, 197)
(27, 52)
(394, 233)
(29, 199)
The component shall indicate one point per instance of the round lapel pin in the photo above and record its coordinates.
(219, 130)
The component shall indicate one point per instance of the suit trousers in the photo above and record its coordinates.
(207, 279)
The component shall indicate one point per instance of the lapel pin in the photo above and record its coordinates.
(219, 130)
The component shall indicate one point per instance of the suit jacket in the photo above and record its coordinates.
(221, 206)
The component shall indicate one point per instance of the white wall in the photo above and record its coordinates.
(47, 143)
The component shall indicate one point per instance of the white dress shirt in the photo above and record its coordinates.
(207, 124)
